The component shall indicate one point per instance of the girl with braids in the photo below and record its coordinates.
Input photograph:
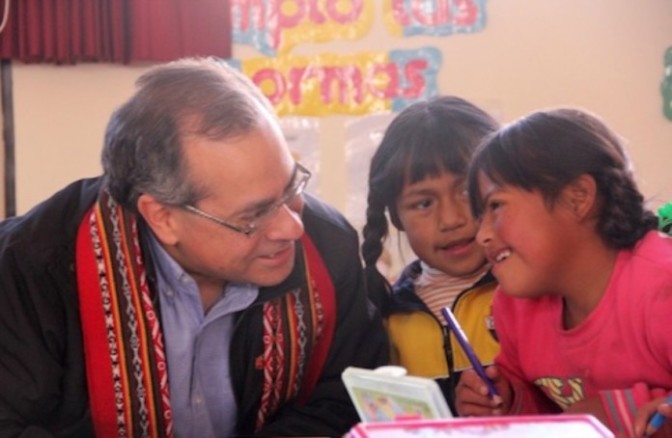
(585, 280)
(418, 176)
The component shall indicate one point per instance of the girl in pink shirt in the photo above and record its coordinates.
(585, 281)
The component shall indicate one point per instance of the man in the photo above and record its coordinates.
(193, 290)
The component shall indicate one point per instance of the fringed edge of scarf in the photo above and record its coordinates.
(125, 359)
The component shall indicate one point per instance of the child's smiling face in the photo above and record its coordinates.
(529, 244)
(434, 213)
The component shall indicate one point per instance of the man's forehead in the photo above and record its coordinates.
(253, 165)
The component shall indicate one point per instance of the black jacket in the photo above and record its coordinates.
(43, 389)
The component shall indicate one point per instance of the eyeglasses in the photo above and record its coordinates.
(262, 217)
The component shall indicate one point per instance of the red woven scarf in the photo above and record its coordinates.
(123, 346)
(125, 360)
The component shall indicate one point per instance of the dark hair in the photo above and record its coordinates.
(144, 137)
(424, 140)
(547, 150)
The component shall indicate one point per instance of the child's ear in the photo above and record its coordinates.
(159, 217)
(581, 196)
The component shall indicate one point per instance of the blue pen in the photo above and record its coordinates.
(464, 343)
(657, 420)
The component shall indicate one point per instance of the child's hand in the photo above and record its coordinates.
(472, 394)
(644, 414)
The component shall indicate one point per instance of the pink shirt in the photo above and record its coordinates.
(622, 352)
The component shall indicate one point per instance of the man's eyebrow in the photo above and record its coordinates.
(262, 204)
(254, 206)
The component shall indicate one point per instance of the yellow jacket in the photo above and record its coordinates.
(418, 340)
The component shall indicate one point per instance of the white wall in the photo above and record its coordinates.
(60, 117)
(604, 55)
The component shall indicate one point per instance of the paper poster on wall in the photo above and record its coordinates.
(274, 27)
(363, 135)
(354, 84)
(433, 17)
(302, 136)
(666, 86)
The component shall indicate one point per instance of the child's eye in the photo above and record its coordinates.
(493, 205)
(422, 204)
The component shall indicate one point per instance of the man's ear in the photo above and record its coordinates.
(159, 217)
(581, 196)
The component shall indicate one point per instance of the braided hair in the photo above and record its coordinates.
(424, 140)
(547, 150)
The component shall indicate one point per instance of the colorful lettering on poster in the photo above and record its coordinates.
(666, 86)
(433, 17)
(357, 84)
(275, 26)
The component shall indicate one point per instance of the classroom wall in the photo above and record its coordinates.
(603, 55)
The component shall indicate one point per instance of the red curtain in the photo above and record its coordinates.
(121, 31)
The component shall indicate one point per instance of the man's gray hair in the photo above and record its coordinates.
(144, 137)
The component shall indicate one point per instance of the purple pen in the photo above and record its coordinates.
(464, 343)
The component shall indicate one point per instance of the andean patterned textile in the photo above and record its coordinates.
(125, 358)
